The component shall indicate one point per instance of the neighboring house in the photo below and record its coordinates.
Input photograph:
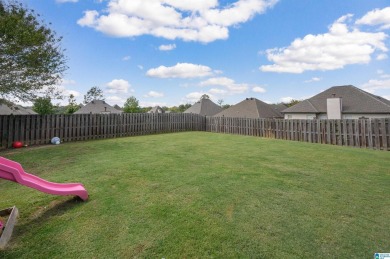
(279, 107)
(204, 107)
(156, 109)
(15, 110)
(251, 108)
(97, 107)
(340, 102)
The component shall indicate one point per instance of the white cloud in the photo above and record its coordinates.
(180, 70)
(153, 94)
(126, 58)
(67, 82)
(63, 89)
(335, 49)
(238, 12)
(217, 91)
(313, 79)
(68, 92)
(195, 96)
(167, 47)
(152, 104)
(112, 100)
(89, 19)
(382, 74)
(200, 20)
(140, 67)
(377, 17)
(231, 86)
(258, 89)
(381, 56)
(374, 84)
(286, 99)
(118, 86)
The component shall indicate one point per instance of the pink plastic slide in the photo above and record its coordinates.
(13, 171)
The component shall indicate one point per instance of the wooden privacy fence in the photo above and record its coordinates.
(363, 133)
(40, 129)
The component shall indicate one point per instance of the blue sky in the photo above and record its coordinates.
(170, 52)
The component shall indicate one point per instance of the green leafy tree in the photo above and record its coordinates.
(95, 93)
(72, 107)
(43, 106)
(180, 108)
(183, 107)
(145, 109)
(292, 102)
(31, 59)
(131, 105)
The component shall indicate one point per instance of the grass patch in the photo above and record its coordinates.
(202, 195)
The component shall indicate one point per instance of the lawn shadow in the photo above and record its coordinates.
(41, 217)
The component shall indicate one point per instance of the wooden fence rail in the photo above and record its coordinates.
(40, 129)
(364, 133)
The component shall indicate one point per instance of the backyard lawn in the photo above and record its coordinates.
(198, 194)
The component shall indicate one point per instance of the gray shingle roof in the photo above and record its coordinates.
(97, 107)
(204, 107)
(354, 100)
(279, 107)
(15, 110)
(156, 109)
(251, 108)
(5, 110)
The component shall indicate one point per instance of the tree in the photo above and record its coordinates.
(292, 102)
(180, 108)
(43, 106)
(31, 59)
(72, 107)
(95, 93)
(205, 96)
(220, 102)
(131, 105)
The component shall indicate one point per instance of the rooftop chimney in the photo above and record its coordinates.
(334, 107)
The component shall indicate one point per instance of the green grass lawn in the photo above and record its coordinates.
(200, 194)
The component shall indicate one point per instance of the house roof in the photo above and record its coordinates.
(5, 110)
(354, 100)
(204, 107)
(251, 108)
(15, 110)
(156, 109)
(279, 107)
(97, 107)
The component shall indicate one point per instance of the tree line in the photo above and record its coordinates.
(44, 105)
